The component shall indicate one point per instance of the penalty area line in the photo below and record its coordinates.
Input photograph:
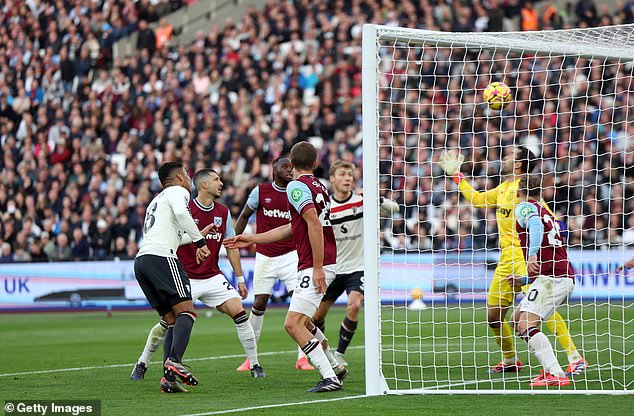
(272, 406)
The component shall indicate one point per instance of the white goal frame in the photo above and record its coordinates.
(574, 42)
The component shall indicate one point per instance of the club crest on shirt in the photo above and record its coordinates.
(196, 221)
(218, 221)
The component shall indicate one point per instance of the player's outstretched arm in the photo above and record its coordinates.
(316, 237)
(450, 162)
(211, 228)
(282, 232)
(627, 265)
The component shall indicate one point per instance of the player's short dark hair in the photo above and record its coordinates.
(279, 160)
(168, 170)
(530, 185)
(340, 164)
(303, 156)
(527, 158)
(201, 175)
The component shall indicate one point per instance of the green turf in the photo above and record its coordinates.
(37, 342)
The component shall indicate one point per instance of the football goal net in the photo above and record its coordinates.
(435, 276)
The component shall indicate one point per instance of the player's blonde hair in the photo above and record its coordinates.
(340, 164)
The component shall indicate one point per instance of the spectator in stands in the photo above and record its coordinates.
(146, 38)
(163, 33)
(80, 246)
(80, 146)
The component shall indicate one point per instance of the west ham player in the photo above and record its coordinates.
(550, 274)
(161, 275)
(317, 252)
(500, 295)
(208, 284)
(346, 217)
(272, 261)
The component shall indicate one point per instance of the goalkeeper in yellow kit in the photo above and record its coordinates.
(501, 295)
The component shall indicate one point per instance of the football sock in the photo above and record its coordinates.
(256, 319)
(504, 338)
(540, 346)
(558, 326)
(180, 334)
(321, 325)
(346, 332)
(154, 341)
(300, 353)
(318, 358)
(325, 347)
(167, 342)
(247, 337)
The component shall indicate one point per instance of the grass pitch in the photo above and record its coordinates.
(82, 356)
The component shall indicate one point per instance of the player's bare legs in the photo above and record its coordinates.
(233, 307)
(527, 327)
(256, 319)
(348, 326)
(299, 327)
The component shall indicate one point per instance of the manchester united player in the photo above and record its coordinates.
(550, 274)
(161, 275)
(346, 217)
(276, 260)
(317, 252)
(208, 284)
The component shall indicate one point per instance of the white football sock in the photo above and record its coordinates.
(321, 338)
(300, 354)
(319, 359)
(574, 356)
(540, 346)
(256, 320)
(247, 339)
(154, 341)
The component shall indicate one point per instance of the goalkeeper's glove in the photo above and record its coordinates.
(450, 162)
(388, 206)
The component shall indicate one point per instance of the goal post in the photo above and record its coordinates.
(573, 107)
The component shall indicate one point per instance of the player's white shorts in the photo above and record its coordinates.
(545, 294)
(306, 298)
(269, 269)
(214, 291)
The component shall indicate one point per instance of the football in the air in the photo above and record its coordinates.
(497, 95)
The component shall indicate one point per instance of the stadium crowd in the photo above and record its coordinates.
(81, 141)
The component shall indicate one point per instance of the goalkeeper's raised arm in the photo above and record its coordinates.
(450, 162)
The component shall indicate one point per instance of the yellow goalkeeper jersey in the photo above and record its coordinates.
(503, 198)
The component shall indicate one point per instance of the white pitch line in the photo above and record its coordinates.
(97, 367)
(271, 406)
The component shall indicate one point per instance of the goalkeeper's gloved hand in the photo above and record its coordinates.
(450, 162)
(388, 206)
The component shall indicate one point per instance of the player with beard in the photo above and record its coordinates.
(208, 284)
(501, 295)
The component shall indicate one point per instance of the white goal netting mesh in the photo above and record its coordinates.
(572, 106)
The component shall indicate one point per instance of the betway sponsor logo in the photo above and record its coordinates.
(276, 213)
(214, 236)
